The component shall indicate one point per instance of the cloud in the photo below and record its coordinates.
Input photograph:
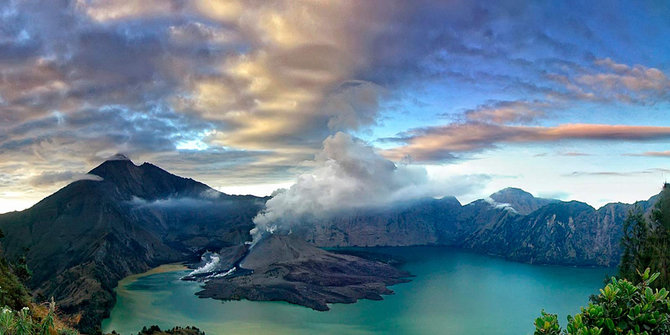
(615, 173)
(438, 143)
(60, 178)
(508, 112)
(253, 88)
(574, 154)
(294, 86)
(651, 154)
(175, 203)
(635, 84)
(113, 10)
(349, 174)
(353, 106)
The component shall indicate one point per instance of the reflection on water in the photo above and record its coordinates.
(454, 292)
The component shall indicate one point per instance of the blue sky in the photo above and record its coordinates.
(565, 99)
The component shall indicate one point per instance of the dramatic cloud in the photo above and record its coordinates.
(349, 174)
(440, 143)
(508, 112)
(51, 178)
(235, 92)
(636, 84)
(84, 79)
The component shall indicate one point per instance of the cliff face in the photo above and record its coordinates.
(511, 224)
(84, 238)
(553, 234)
(429, 221)
(569, 233)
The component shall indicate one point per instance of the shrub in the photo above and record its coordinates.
(620, 308)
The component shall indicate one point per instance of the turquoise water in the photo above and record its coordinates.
(454, 292)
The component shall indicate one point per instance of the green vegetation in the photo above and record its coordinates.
(646, 242)
(638, 302)
(13, 293)
(18, 314)
(620, 308)
(25, 322)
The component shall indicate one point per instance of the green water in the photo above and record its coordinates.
(454, 292)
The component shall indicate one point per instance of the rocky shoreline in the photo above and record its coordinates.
(286, 268)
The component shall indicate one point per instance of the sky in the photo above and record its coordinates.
(565, 99)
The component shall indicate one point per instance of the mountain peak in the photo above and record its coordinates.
(510, 192)
(114, 166)
(146, 181)
(118, 157)
(523, 202)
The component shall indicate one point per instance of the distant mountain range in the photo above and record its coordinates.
(83, 239)
(510, 223)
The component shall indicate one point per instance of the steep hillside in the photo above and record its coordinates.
(428, 221)
(82, 239)
(511, 223)
(569, 233)
(13, 293)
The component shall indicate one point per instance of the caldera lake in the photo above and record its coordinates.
(453, 292)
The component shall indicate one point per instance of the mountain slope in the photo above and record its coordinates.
(427, 221)
(523, 202)
(568, 233)
(512, 223)
(84, 238)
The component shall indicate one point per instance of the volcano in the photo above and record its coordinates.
(286, 268)
(80, 241)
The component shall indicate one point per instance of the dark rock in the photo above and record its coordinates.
(286, 268)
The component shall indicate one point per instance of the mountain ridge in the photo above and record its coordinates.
(85, 237)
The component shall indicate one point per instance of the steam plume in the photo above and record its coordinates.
(348, 174)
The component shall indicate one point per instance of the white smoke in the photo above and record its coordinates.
(349, 174)
(212, 262)
(500, 205)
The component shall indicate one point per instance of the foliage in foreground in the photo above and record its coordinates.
(12, 291)
(620, 308)
(22, 322)
(646, 242)
(18, 314)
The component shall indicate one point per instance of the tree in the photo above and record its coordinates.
(21, 270)
(634, 242)
(620, 308)
(646, 241)
(659, 239)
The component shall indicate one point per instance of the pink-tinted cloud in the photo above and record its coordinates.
(636, 84)
(442, 142)
(653, 154)
(508, 112)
